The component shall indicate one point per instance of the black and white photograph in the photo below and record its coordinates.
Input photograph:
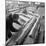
(25, 22)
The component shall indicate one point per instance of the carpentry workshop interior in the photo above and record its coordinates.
(25, 22)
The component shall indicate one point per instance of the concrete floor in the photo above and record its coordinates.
(41, 12)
